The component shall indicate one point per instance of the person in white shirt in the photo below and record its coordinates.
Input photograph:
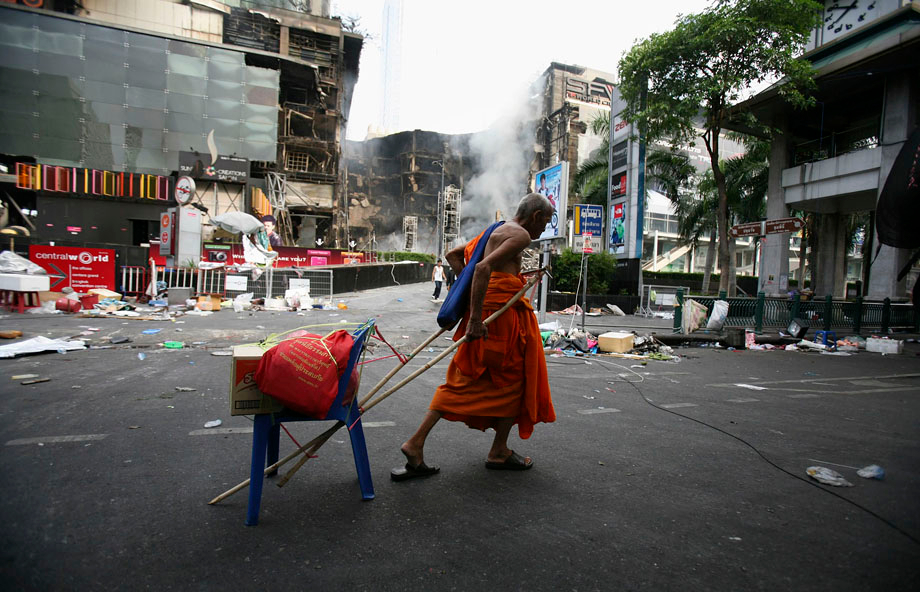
(437, 276)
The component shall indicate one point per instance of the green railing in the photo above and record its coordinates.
(854, 316)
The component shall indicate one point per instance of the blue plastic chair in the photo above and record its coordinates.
(267, 432)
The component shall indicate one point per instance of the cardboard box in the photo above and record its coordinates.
(103, 293)
(20, 282)
(245, 396)
(884, 346)
(208, 302)
(615, 342)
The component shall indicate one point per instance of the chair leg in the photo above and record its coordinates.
(260, 433)
(274, 436)
(362, 464)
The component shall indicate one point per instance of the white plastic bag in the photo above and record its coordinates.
(718, 316)
(242, 302)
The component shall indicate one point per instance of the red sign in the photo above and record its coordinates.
(290, 256)
(80, 268)
(784, 225)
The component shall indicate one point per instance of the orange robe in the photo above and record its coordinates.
(503, 375)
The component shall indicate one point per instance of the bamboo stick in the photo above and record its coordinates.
(392, 372)
(314, 444)
(325, 436)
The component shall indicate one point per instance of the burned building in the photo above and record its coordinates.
(399, 175)
(572, 97)
(108, 103)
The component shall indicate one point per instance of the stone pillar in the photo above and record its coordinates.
(898, 119)
(774, 255)
(830, 269)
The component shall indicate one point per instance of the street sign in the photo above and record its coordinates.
(762, 228)
(783, 225)
(747, 229)
(588, 219)
(587, 243)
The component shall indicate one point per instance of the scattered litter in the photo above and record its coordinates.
(76, 386)
(35, 381)
(734, 538)
(173, 345)
(12, 334)
(141, 356)
(117, 340)
(259, 327)
(827, 476)
(39, 344)
(616, 310)
(751, 386)
(871, 472)
(805, 344)
(222, 352)
(184, 389)
(24, 376)
(213, 424)
(135, 427)
(200, 313)
(405, 337)
(399, 300)
(836, 353)
(151, 331)
(587, 397)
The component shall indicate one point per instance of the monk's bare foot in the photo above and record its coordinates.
(504, 455)
(414, 456)
(511, 462)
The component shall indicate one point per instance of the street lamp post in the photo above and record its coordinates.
(440, 221)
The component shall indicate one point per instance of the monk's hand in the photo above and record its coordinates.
(476, 330)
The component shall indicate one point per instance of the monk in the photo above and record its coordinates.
(498, 378)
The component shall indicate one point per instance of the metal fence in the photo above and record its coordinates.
(263, 283)
(827, 314)
(659, 299)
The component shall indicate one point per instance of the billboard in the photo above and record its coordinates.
(553, 183)
(80, 268)
(617, 244)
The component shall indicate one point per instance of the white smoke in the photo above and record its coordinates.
(504, 153)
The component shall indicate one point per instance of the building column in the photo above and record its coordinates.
(898, 119)
(830, 271)
(773, 275)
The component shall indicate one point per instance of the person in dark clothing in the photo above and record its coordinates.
(274, 239)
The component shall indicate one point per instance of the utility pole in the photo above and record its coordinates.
(441, 205)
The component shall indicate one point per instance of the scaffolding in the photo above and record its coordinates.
(451, 219)
(277, 189)
(410, 230)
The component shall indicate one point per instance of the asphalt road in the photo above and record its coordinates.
(663, 476)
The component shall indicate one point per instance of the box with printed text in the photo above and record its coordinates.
(245, 396)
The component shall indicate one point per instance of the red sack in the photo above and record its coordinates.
(303, 373)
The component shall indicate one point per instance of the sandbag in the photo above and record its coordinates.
(458, 298)
(303, 372)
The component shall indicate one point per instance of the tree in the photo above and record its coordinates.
(591, 177)
(704, 65)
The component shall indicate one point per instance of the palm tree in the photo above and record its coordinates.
(591, 177)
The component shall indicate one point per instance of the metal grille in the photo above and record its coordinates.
(659, 299)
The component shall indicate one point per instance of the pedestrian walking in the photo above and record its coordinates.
(437, 276)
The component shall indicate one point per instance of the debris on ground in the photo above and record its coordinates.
(616, 310)
(222, 353)
(173, 344)
(871, 472)
(40, 344)
(117, 340)
(213, 424)
(24, 376)
(35, 380)
(184, 389)
(827, 476)
(11, 334)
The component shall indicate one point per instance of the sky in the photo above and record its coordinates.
(466, 63)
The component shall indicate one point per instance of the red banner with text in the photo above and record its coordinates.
(81, 268)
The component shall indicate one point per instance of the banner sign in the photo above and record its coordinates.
(80, 268)
(553, 183)
(229, 169)
(618, 228)
(287, 256)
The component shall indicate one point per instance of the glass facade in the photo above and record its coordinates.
(84, 95)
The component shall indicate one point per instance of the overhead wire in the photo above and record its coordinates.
(884, 520)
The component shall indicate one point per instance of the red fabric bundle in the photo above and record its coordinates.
(303, 373)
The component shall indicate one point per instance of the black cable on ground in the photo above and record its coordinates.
(767, 460)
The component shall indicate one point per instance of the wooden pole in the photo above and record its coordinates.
(392, 372)
(314, 444)
(324, 436)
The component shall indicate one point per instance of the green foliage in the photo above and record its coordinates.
(591, 177)
(702, 67)
(405, 256)
(601, 270)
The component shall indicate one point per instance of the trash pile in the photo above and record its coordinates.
(575, 342)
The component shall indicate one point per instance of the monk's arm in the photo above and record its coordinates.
(455, 259)
(506, 252)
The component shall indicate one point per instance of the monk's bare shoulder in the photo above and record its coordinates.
(508, 231)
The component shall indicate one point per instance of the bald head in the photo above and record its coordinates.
(529, 205)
